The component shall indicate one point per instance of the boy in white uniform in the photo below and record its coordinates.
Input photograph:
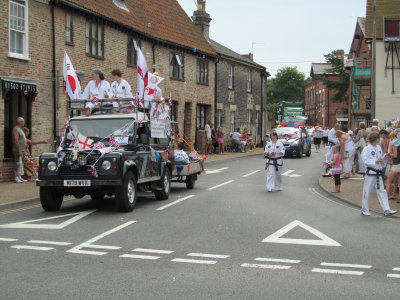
(274, 152)
(97, 88)
(120, 88)
(332, 140)
(373, 158)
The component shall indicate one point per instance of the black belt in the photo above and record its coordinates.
(331, 143)
(378, 173)
(275, 162)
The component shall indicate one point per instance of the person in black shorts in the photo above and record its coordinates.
(318, 133)
(325, 137)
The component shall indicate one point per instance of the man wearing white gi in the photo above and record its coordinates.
(274, 151)
(373, 158)
(97, 88)
(332, 140)
(120, 88)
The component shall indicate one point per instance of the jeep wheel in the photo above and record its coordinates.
(50, 198)
(125, 195)
(190, 181)
(165, 185)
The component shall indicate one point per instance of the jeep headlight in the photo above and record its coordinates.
(82, 160)
(106, 165)
(52, 166)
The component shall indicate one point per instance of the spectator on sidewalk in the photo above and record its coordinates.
(325, 137)
(347, 151)
(30, 167)
(373, 159)
(208, 132)
(19, 148)
(220, 140)
(360, 143)
(214, 139)
(318, 133)
(394, 158)
(336, 168)
(237, 140)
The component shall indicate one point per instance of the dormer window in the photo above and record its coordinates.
(120, 4)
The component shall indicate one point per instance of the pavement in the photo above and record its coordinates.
(13, 194)
(225, 239)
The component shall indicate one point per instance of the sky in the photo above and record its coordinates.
(287, 32)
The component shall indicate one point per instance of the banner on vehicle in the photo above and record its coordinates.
(159, 120)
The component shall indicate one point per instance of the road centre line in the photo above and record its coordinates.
(396, 269)
(208, 255)
(340, 272)
(345, 265)
(175, 202)
(103, 247)
(49, 242)
(88, 243)
(149, 257)
(287, 172)
(194, 261)
(288, 261)
(8, 240)
(264, 266)
(219, 185)
(247, 175)
(32, 247)
(390, 275)
(153, 251)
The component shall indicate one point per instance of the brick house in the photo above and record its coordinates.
(97, 34)
(318, 106)
(240, 86)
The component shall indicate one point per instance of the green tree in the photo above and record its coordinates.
(341, 84)
(288, 85)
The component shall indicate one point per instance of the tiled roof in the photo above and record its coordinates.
(360, 30)
(321, 68)
(161, 19)
(384, 9)
(361, 23)
(225, 51)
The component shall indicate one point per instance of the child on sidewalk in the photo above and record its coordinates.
(336, 168)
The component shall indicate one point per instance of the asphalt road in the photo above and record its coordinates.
(207, 245)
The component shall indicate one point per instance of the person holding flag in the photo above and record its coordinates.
(120, 88)
(72, 84)
(97, 88)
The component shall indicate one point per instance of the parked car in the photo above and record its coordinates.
(296, 141)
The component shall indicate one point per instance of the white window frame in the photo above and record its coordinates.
(25, 54)
(230, 76)
(219, 118)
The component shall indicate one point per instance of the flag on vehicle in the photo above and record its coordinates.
(142, 76)
(72, 84)
(84, 142)
(94, 171)
(151, 88)
(114, 142)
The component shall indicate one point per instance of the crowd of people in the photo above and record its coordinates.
(369, 151)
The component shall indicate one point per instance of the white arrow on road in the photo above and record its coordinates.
(215, 171)
(289, 174)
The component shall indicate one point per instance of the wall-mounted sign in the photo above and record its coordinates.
(17, 84)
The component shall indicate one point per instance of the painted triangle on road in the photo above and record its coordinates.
(323, 240)
(28, 224)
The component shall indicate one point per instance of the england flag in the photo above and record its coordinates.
(142, 76)
(71, 82)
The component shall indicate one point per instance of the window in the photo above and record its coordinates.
(94, 39)
(202, 71)
(69, 31)
(219, 118)
(231, 76)
(132, 53)
(201, 116)
(232, 121)
(176, 66)
(392, 28)
(249, 83)
(18, 28)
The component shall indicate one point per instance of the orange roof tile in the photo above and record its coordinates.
(161, 19)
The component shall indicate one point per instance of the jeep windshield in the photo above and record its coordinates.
(288, 133)
(99, 129)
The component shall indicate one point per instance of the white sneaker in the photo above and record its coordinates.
(389, 212)
(22, 180)
(366, 213)
(17, 180)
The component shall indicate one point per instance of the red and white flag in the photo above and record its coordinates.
(142, 76)
(72, 84)
(151, 88)
(84, 142)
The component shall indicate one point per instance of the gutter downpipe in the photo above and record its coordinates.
(54, 72)
(215, 91)
(262, 110)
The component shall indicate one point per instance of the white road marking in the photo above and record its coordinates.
(396, 269)
(149, 257)
(215, 171)
(340, 272)
(219, 185)
(28, 224)
(208, 255)
(287, 172)
(345, 265)
(89, 243)
(393, 275)
(288, 261)
(277, 236)
(103, 247)
(50, 243)
(153, 251)
(175, 202)
(263, 266)
(32, 247)
(7, 240)
(195, 261)
(247, 175)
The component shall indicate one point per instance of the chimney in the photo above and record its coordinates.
(202, 19)
(249, 56)
(340, 54)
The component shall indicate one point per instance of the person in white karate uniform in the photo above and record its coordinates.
(373, 158)
(97, 88)
(274, 152)
(120, 88)
(332, 141)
